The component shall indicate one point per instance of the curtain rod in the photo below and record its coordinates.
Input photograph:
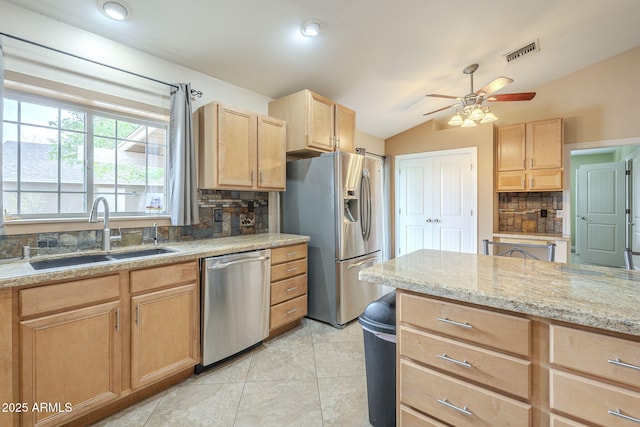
(193, 91)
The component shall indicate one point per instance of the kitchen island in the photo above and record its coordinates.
(488, 340)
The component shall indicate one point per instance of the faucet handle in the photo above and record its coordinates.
(118, 237)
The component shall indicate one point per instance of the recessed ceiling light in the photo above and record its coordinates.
(116, 10)
(310, 28)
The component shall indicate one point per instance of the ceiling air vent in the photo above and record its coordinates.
(522, 52)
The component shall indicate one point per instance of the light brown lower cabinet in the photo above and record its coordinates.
(70, 363)
(453, 371)
(89, 343)
(71, 340)
(163, 333)
(288, 286)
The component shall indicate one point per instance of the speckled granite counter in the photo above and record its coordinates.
(20, 272)
(599, 297)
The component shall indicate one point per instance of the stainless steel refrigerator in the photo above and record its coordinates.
(336, 199)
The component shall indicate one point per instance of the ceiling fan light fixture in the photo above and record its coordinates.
(456, 120)
(468, 123)
(310, 28)
(488, 117)
(476, 113)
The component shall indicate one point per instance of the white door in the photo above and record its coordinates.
(601, 213)
(435, 201)
(413, 204)
(452, 203)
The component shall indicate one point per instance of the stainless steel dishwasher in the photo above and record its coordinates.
(235, 303)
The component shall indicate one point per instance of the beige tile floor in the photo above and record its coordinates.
(311, 376)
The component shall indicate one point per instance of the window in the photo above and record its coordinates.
(58, 157)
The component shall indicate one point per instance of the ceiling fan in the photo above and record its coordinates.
(470, 106)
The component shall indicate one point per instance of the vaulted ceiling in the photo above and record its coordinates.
(378, 57)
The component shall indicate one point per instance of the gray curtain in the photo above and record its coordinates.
(2, 230)
(183, 193)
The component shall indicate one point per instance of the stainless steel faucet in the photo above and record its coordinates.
(106, 232)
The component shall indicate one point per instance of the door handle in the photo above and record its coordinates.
(436, 220)
(429, 220)
(358, 264)
(584, 218)
(239, 261)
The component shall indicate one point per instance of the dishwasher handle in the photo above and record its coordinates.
(238, 261)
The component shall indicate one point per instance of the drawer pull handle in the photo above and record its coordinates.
(457, 362)
(453, 322)
(291, 253)
(617, 362)
(617, 413)
(457, 408)
(293, 310)
(292, 269)
(292, 289)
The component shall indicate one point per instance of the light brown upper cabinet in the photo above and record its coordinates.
(240, 150)
(529, 156)
(315, 124)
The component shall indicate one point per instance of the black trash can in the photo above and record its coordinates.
(379, 329)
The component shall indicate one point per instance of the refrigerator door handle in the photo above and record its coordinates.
(363, 215)
(363, 262)
(368, 208)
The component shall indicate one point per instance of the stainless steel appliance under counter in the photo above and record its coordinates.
(235, 304)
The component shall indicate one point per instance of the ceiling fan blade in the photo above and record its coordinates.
(495, 85)
(435, 95)
(522, 96)
(439, 109)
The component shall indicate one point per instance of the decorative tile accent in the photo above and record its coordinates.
(222, 214)
(521, 212)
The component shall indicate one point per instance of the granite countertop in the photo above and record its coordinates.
(21, 273)
(599, 297)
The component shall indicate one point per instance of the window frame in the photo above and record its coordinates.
(90, 111)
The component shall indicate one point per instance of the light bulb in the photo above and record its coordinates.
(115, 11)
(488, 117)
(456, 120)
(468, 123)
(477, 113)
(310, 28)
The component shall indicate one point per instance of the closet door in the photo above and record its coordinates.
(435, 202)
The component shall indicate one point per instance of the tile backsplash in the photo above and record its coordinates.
(222, 214)
(523, 212)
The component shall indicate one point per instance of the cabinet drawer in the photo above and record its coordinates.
(544, 180)
(289, 269)
(167, 275)
(289, 288)
(591, 400)
(487, 367)
(596, 354)
(68, 295)
(497, 330)
(457, 402)
(413, 418)
(288, 311)
(558, 421)
(288, 253)
(510, 181)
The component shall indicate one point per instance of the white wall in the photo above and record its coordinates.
(23, 58)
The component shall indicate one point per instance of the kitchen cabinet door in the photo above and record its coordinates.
(236, 148)
(164, 333)
(321, 123)
(272, 136)
(544, 144)
(345, 128)
(510, 150)
(73, 358)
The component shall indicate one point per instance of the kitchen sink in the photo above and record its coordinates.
(69, 261)
(89, 259)
(140, 253)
